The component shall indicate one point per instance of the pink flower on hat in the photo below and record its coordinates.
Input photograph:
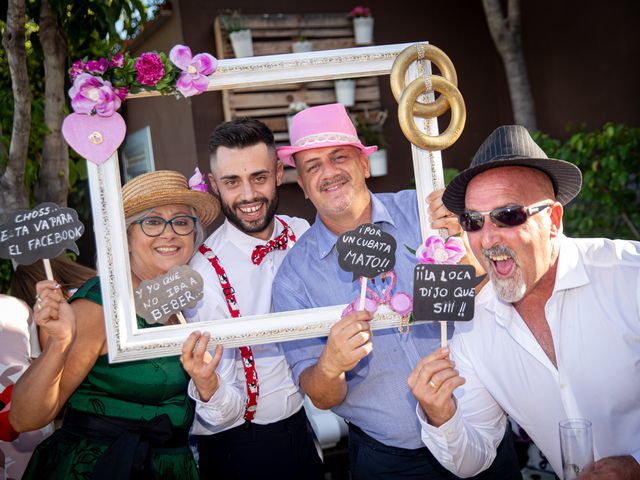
(193, 79)
(436, 250)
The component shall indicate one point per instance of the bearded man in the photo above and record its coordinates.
(250, 421)
(556, 332)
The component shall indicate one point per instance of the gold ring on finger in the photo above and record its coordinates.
(432, 383)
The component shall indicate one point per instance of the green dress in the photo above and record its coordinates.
(139, 390)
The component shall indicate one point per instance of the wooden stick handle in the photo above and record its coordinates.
(443, 334)
(47, 268)
(363, 292)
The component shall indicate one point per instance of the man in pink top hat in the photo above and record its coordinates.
(366, 386)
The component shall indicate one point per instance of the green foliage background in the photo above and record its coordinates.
(93, 28)
(609, 158)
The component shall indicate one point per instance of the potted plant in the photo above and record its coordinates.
(369, 127)
(345, 91)
(362, 25)
(234, 24)
(301, 44)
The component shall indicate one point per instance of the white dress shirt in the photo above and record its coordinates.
(279, 397)
(594, 316)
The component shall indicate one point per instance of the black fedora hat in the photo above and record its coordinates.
(512, 145)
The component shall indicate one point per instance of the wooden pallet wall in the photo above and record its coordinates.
(274, 34)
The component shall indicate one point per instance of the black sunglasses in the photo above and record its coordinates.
(501, 217)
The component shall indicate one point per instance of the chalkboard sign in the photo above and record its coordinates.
(166, 295)
(44, 232)
(366, 251)
(444, 292)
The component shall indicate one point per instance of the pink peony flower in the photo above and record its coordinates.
(76, 69)
(97, 66)
(196, 182)
(91, 94)
(117, 61)
(193, 79)
(150, 69)
(435, 250)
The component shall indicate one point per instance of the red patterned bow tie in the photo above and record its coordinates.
(278, 243)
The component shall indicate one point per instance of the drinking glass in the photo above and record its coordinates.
(576, 446)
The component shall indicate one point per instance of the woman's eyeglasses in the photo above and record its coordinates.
(501, 217)
(155, 226)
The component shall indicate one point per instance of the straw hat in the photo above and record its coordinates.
(321, 126)
(166, 187)
(507, 146)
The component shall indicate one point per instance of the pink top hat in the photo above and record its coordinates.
(321, 126)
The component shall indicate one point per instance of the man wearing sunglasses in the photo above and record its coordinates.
(556, 332)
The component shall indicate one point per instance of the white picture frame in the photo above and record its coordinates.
(127, 342)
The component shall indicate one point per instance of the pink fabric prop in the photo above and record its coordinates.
(371, 304)
(401, 303)
(93, 137)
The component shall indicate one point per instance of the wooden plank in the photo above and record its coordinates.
(271, 99)
(291, 33)
(274, 35)
(320, 20)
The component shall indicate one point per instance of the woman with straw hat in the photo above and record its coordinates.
(127, 420)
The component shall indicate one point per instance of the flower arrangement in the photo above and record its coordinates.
(360, 12)
(100, 86)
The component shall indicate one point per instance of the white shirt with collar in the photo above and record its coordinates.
(279, 397)
(594, 316)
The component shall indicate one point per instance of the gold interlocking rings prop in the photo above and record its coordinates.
(408, 105)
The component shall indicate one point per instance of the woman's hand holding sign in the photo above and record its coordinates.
(54, 315)
(200, 365)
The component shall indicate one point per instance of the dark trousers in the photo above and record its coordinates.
(283, 450)
(370, 460)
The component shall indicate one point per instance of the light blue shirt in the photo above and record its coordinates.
(378, 400)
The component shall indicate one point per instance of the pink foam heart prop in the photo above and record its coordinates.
(94, 137)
